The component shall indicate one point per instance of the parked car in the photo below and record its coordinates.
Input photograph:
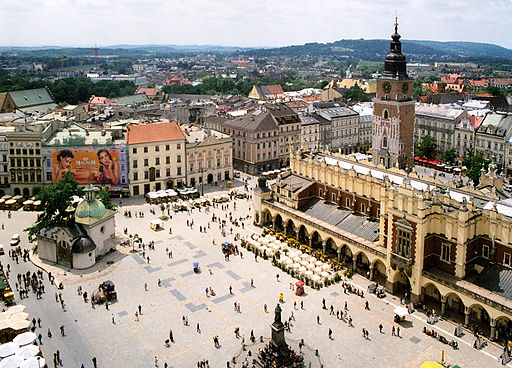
(15, 240)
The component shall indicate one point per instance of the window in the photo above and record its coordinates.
(334, 197)
(348, 202)
(363, 208)
(226, 160)
(167, 147)
(404, 243)
(385, 142)
(178, 171)
(135, 190)
(167, 160)
(157, 160)
(145, 150)
(385, 114)
(49, 176)
(445, 252)
(506, 259)
(135, 176)
(146, 162)
(134, 164)
(218, 161)
(157, 173)
(191, 167)
(485, 251)
(178, 158)
(168, 172)
(178, 146)
(157, 148)
(146, 174)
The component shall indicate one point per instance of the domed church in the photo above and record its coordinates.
(90, 235)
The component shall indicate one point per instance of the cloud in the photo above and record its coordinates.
(248, 23)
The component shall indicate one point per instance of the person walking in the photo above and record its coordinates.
(398, 331)
(140, 309)
(62, 330)
(171, 336)
(330, 334)
(380, 328)
(318, 319)
(198, 329)
(94, 362)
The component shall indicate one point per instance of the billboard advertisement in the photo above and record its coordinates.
(104, 166)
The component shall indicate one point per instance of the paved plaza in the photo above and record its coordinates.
(131, 343)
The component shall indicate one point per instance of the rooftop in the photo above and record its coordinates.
(437, 111)
(155, 132)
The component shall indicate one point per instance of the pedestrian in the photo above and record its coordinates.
(156, 361)
(39, 322)
(49, 334)
(40, 338)
(94, 362)
(171, 336)
(140, 309)
(62, 330)
(230, 289)
(330, 334)
(145, 286)
(318, 319)
(113, 320)
(137, 316)
(277, 277)
(252, 282)
(398, 331)
(198, 329)
(301, 304)
(393, 331)
(380, 328)
(367, 305)
(295, 305)
(265, 308)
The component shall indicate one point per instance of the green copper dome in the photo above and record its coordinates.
(90, 207)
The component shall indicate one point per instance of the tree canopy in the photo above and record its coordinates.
(355, 93)
(474, 163)
(427, 147)
(55, 199)
(449, 156)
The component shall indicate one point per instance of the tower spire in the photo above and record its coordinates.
(396, 22)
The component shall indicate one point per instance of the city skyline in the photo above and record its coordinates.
(248, 24)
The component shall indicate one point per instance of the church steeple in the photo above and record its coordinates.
(395, 65)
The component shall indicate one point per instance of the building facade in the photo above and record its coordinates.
(156, 157)
(289, 125)
(437, 244)
(437, 122)
(393, 111)
(208, 154)
(25, 166)
(492, 134)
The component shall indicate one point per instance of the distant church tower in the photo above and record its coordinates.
(393, 111)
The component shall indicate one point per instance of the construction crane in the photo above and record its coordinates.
(62, 60)
(95, 48)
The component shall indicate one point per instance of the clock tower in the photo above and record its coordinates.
(393, 111)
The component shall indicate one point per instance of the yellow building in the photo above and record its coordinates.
(446, 247)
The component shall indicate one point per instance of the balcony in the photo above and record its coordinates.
(402, 263)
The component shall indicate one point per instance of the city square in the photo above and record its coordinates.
(118, 338)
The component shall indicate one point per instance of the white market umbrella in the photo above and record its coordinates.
(16, 309)
(277, 242)
(292, 255)
(289, 262)
(401, 311)
(25, 338)
(297, 259)
(310, 266)
(284, 258)
(326, 267)
(9, 348)
(304, 263)
(304, 256)
(312, 259)
(28, 351)
(317, 263)
(316, 278)
(276, 247)
(324, 274)
(255, 236)
(296, 266)
(302, 269)
(317, 270)
(11, 362)
(18, 316)
(34, 362)
(309, 273)
(299, 252)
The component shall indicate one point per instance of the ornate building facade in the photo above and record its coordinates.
(445, 246)
(393, 112)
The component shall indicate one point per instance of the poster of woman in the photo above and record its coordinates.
(90, 166)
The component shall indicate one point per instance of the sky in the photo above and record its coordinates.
(252, 23)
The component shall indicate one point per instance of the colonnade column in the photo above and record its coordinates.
(466, 316)
(493, 329)
(443, 305)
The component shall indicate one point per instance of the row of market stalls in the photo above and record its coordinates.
(10, 203)
(172, 195)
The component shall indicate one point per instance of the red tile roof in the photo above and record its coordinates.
(155, 132)
(146, 91)
(100, 100)
(475, 120)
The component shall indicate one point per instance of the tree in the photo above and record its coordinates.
(55, 199)
(355, 93)
(104, 196)
(427, 147)
(474, 163)
(450, 156)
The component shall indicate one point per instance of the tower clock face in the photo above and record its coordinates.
(405, 87)
(386, 86)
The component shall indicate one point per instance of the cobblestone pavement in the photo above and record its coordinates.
(130, 343)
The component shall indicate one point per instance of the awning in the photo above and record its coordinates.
(401, 311)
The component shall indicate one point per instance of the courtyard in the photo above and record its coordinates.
(117, 338)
